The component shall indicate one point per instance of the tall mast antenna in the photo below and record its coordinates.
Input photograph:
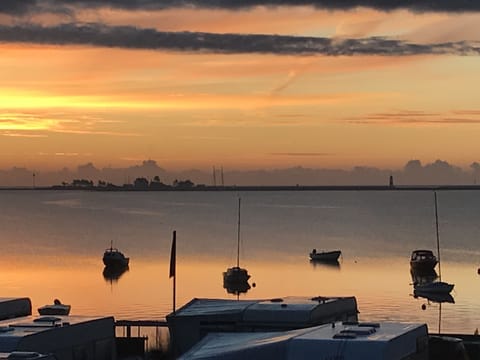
(238, 234)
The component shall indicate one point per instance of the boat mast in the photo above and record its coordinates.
(438, 238)
(238, 234)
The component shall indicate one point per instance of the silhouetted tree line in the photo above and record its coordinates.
(82, 183)
(140, 183)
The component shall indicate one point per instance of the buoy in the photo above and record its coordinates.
(424, 306)
(478, 271)
(254, 284)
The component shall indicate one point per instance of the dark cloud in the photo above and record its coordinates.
(17, 7)
(136, 38)
(21, 7)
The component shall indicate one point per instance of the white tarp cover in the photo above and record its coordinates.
(390, 341)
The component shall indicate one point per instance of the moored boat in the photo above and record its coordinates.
(436, 287)
(328, 256)
(435, 297)
(114, 257)
(423, 260)
(56, 309)
(235, 275)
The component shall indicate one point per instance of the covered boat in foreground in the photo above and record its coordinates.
(347, 341)
(194, 320)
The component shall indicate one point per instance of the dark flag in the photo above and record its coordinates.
(173, 255)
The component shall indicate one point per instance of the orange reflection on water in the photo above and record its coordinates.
(382, 287)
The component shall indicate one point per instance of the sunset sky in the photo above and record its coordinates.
(193, 84)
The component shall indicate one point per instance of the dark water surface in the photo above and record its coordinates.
(52, 245)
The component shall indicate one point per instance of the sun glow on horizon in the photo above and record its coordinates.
(190, 108)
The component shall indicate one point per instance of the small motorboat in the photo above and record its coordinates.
(328, 256)
(435, 297)
(436, 287)
(112, 257)
(56, 309)
(234, 276)
(423, 260)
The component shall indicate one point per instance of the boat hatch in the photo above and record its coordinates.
(361, 324)
(359, 331)
(44, 324)
(47, 319)
(344, 336)
(23, 355)
(322, 299)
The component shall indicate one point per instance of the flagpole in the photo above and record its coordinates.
(173, 261)
(438, 237)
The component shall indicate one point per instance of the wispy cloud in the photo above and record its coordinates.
(21, 134)
(135, 38)
(97, 132)
(463, 117)
(301, 154)
(23, 7)
(17, 124)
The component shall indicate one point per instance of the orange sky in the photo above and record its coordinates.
(67, 105)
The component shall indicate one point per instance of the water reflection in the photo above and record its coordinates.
(423, 277)
(326, 264)
(114, 273)
(236, 288)
(427, 277)
(237, 285)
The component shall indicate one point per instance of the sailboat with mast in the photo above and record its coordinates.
(236, 276)
(435, 287)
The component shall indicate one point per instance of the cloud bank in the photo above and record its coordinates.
(414, 172)
(130, 37)
(25, 7)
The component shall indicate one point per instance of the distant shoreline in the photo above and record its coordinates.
(256, 188)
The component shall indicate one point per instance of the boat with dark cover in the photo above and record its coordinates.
(327, 256)
(112, 257)
(423, 261)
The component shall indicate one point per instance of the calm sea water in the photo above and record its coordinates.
(52, 244)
